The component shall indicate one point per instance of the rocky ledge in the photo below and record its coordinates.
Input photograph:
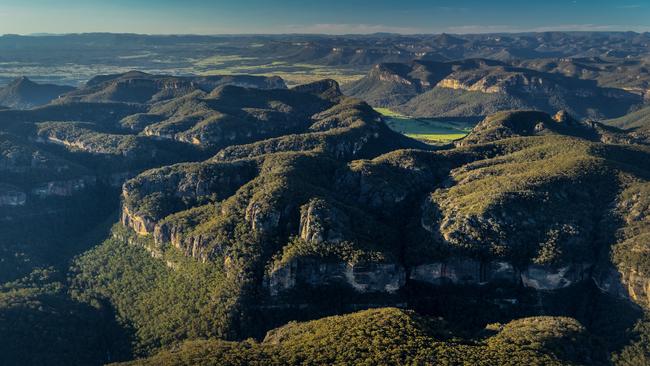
(390, 277)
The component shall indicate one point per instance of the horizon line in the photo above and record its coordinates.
(559, 30)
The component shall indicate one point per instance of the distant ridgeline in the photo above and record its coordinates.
(616, 59)
(245, 205)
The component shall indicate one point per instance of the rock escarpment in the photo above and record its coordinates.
(631, 249)
(511, 205)
(373, 277)
(275, 188)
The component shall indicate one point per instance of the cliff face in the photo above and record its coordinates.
(65, 188)
(626, 283)
(632, 213)
(467, 271)
(635, 286)
(391, 277)
(371, 277)
(149, 197)
(190, 245)
(319, 223)
(512, 81)
(32, 178)
(139, 224)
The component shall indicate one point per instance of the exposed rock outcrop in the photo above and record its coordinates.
(262, 218)
(553, 278)
(320, 222)
(64, 188)
(193, 246)
(11, 196)
(140, 224)
(466, 271)
(362, 277)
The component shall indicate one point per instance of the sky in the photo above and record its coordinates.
(324, 16)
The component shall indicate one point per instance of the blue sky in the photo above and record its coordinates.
(333, 16)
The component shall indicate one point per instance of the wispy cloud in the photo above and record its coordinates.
(593, 28)
(479, 28)
(453, 8)
(630, 6)
(344, 28)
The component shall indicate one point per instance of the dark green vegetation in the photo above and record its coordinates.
(158, 302)
(478, 87)
(395, 337)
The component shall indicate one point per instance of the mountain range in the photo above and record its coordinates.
(226, 219)
(478, 87)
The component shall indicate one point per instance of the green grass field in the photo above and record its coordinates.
(293, 74)
(219, 60)
(428, 130)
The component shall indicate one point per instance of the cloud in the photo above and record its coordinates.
(630, 6)
(593, 28)
(344, 28)
(453, 8)
(479, 28)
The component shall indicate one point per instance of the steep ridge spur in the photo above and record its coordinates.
(23, 93)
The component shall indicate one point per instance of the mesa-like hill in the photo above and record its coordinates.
(534, 123)
(478, 87)
(627, 73)
(23, 93)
